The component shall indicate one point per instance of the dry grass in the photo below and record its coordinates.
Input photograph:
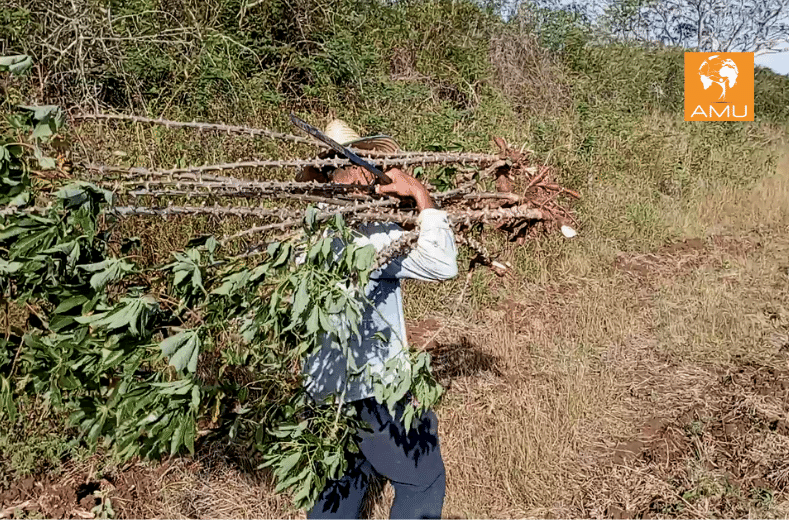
(590, 362)
(528, 75)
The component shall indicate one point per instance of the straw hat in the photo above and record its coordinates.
(344, 134)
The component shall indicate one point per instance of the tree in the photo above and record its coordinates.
(760, 26)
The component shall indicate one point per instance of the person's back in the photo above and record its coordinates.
(411, 460)
(382, 328)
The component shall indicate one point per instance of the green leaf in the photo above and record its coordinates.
(17, 64)
(189, 438)
(283, 256)
(114, 269)
(178, 435)
(170, 344)
(288, 463)
(211, 244)
(98, 266)
(259, 271)
(300, 299)
(20, 200)
(13, 231)
(197, 278)
(408, 416)
(304, 490)
(326, 247)
(70, 303)
(179, 277)
(42, 131)
(192, 367)
(326, 324)
(58, 323)
(183, 350)
(273, 248)
(195, 404)
(80, 192)
(129, 312)
(364, 257)
(95, 430)
(313, 321)
(7, 267)
(309, 217)
(46, 113)
(292, 480)
(314, 251)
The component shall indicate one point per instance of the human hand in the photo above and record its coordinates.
(404, 185)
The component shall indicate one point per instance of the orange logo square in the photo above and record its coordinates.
(719, 86)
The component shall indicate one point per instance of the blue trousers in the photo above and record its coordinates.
(411, 461)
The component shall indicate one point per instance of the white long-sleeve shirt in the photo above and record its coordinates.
(433, 259)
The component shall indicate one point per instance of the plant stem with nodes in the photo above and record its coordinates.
(293, 217)
(218, 210)
(398, 247)
(407, 242)
(470, 158)
(242, 188)
(296, 221)
(220, 127)
(229, 183)
(246, 194)
(384, 161)
(467, 217)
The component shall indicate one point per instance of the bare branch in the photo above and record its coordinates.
(230, 129)
(423, 157)
(398, 247)
(386, 161)
(221, 211)
(296, 221)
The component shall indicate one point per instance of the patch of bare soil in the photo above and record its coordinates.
(685, 256)
(215, 484)
(724, 453)
(78, 493)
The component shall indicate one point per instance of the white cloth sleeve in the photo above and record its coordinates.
(435, 256)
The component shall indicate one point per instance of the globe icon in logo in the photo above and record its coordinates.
(719, 71)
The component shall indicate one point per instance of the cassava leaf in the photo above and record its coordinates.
(301, 299)
(17, 64)
(182, 349)
(364, 257)
(70, 303)
(309, 217)
(7, 267)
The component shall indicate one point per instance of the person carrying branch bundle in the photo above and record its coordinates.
(410, 460)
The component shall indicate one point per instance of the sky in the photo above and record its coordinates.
(778, 62)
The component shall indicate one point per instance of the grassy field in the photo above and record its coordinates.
(638, 370)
